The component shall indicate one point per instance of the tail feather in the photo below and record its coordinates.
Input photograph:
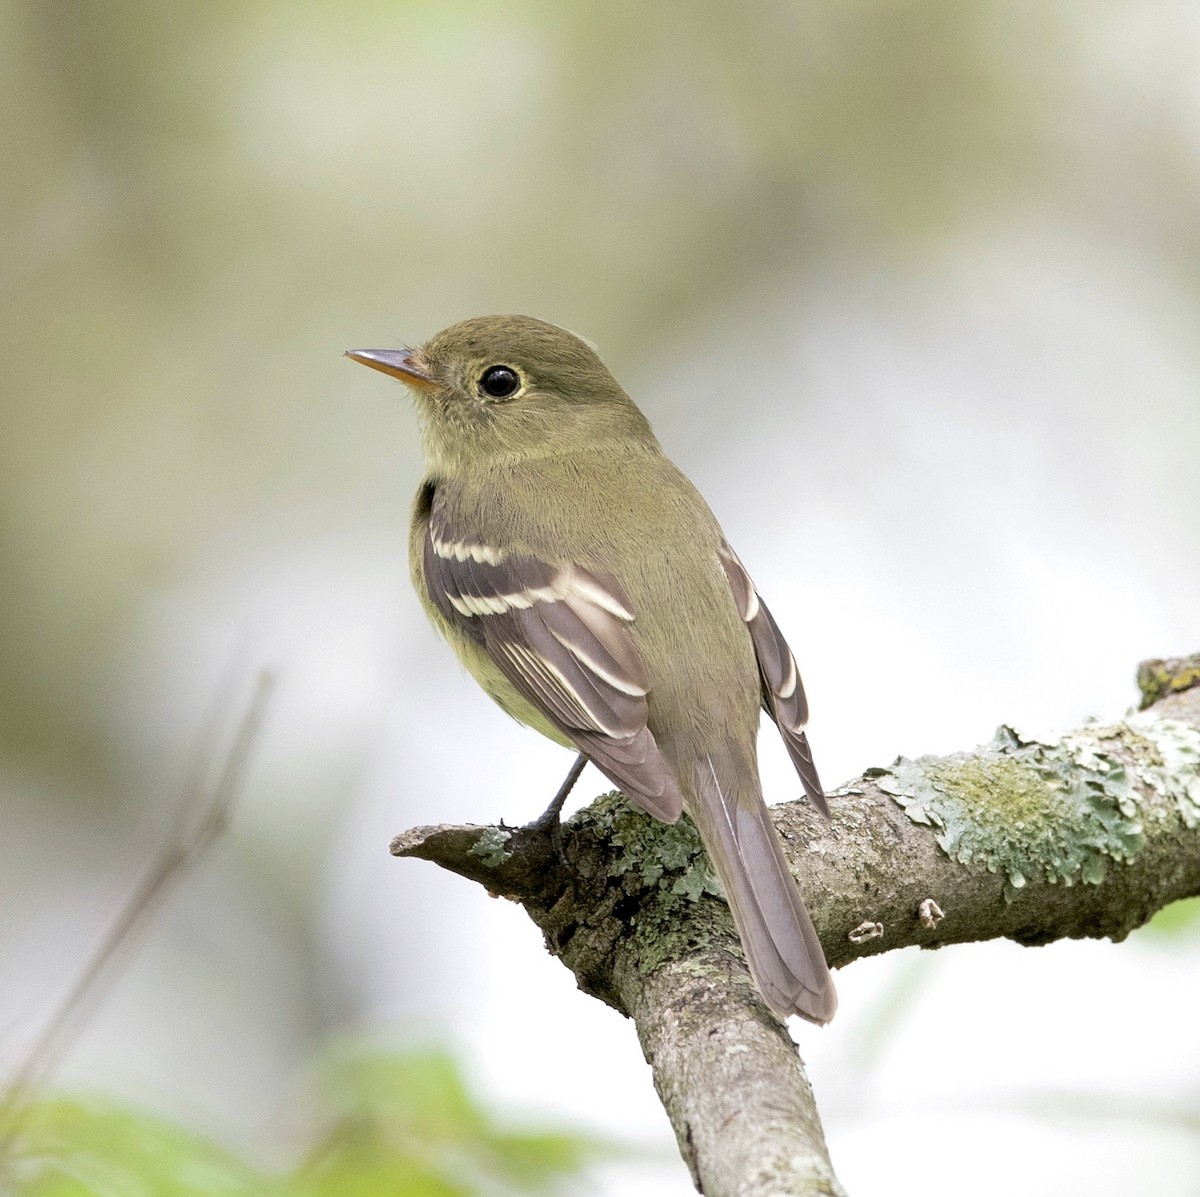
(781, 945)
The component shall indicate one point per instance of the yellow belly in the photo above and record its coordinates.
(485, 671)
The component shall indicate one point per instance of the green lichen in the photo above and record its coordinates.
(664, 856)
(668, 859)
(1158, 678)
(1029, 808)
(490, 847)
(665, 931)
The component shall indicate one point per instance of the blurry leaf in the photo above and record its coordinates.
(405, 1124)
(539, 1163)
(421, 1091)
(1177, 920)
(81, 1148)
(400, 1125)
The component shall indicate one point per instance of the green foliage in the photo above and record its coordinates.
(1179, 920)
(96, 1148)
(407, 1124)
(403, 1125)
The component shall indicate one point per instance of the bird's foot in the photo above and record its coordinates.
(548, 823)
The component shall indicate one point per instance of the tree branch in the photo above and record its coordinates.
(1084, 834)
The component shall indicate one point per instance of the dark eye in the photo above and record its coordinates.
(499, 382)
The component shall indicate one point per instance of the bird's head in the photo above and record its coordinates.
(498, 388)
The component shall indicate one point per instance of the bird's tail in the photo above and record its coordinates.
(778, 937)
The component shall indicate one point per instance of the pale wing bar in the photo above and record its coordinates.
(783, 692)
(561, 636)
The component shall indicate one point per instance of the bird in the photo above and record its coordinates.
(587, 586)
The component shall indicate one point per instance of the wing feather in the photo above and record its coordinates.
(560, 635)
(783, 692)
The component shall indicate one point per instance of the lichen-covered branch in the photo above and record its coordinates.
(1158, 678)
(1087, 833)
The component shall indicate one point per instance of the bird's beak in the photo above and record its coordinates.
(404, 364)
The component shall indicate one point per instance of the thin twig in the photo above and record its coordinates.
(182, 848)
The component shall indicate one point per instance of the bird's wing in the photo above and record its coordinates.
(561, 636)
(783, 692)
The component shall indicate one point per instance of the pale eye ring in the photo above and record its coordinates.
(499, 382)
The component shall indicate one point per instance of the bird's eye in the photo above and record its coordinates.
(499, 382)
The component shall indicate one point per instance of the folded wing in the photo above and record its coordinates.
(560, 635)
(783, 692)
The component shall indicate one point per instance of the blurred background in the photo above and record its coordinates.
(909, 290)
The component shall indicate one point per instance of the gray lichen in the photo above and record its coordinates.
(490, 847)
(1055, 808)
(669, 860)
(1167, 758)
(666, 856)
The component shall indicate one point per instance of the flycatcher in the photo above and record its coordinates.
(589, 590)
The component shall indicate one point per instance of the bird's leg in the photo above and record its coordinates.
(547, 823)
(548, 819)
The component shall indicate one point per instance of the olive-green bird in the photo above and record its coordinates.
(590, 591)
